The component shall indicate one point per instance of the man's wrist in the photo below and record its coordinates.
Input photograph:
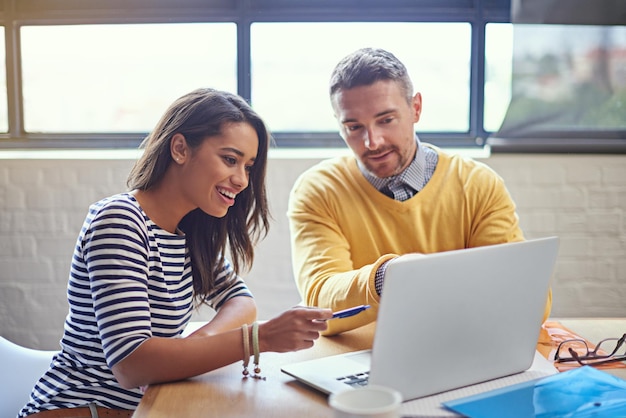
(379, 278)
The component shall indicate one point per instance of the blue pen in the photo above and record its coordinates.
(350, 311)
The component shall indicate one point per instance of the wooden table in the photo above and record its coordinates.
(223, 392)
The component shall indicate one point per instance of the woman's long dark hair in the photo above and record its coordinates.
(198, 116)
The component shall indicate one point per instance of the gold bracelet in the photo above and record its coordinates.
(255, 348)
(246, 350)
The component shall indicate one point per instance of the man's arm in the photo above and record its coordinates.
(325, 275)
(322, 262)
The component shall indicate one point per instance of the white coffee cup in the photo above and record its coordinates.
(370, 401)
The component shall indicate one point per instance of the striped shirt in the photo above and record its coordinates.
(129, 280)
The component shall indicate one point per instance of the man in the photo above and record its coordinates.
(349, 216)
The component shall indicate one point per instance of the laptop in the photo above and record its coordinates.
(448, 320)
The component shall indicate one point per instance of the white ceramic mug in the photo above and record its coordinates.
(370, 401)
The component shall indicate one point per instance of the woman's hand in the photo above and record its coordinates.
(294, 329)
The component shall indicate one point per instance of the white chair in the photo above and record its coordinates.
(20, 368)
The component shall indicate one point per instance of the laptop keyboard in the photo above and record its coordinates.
(355, 380)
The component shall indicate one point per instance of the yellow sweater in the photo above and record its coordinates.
(343, 229)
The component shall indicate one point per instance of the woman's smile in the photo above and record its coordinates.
(227, 196)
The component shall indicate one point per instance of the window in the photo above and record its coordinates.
(290, 83)
(98, 74)
(4, 120)
(119, 78)
(498, 68)
(560, 87)
(567, 79)
(566, 70)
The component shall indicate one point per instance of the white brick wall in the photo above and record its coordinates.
(581, 198)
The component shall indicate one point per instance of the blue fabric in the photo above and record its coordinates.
(577, 393)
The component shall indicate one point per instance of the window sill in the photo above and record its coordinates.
(556, 146)
(132, 154)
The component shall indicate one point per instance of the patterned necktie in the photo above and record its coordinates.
(398, 190)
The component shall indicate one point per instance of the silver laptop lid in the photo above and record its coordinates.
(461, 317)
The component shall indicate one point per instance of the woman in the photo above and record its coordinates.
(144, 259)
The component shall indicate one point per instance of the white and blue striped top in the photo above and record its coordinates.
(129, 280)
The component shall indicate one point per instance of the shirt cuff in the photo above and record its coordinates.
(379, 278)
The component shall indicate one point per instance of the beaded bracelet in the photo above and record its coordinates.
(246, 350)
(255, 349)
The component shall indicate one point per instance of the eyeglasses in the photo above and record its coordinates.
(578, 350)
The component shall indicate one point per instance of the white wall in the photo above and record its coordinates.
(581, 198)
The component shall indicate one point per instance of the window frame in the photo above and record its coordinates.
(17, 13)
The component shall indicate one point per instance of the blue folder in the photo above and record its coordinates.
(581, 392)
